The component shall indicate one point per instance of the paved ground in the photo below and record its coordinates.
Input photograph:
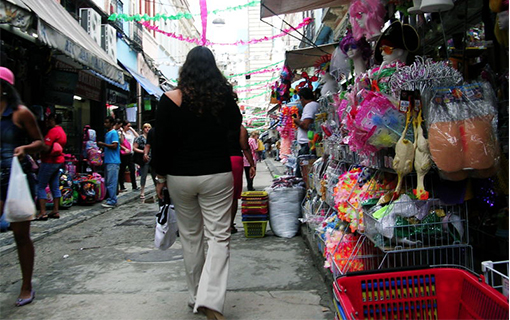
(97, 263)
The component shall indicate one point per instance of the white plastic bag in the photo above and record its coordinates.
(166, 227)
(285, 210)
(19, 204)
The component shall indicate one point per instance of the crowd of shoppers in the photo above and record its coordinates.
(203, 176)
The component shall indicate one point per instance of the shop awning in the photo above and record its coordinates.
(306, 57)
(146, 84)
(58, 29)
(267, 7)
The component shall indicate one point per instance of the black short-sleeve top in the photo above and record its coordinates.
(190, 145)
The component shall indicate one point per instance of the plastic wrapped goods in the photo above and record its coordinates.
(285, 210)
(462, 129)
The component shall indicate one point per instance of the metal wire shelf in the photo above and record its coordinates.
(367, 256)
(496, 275)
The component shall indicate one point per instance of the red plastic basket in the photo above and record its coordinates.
(434, 293)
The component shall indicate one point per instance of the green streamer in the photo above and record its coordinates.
(178, 16)
(252, 71)
(257, 83)
(257, 95)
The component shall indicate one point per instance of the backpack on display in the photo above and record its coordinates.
(70, 166)
(100, 186)
(87, 192)
(66, 200)
(94, 157)
(91, 152)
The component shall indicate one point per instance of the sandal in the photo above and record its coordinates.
(55, 215)
(142, 196)
(43, 217)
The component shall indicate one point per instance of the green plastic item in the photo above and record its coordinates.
(382, 212)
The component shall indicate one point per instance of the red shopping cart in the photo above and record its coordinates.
(431, 293)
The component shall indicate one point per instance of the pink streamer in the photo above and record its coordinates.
(252, 89)
(203, 14)
(265, 70)
(305, 22)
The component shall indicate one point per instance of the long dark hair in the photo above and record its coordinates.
(10, 94)
(204, 88)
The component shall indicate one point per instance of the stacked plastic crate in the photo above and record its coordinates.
(255, 213)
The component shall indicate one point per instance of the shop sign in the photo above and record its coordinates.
(55, 39)
(89, 86)
(147, 105)
(14, 15)
(116, 98)
(60, 87)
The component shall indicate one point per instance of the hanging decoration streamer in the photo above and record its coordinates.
(179, 16)
(254, 71)
(252, 89)
(203, 15)
(257, 83)
(305, 22)
(257, 95)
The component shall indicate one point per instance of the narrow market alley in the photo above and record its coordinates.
(97, 263)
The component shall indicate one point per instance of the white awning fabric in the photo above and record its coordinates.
(267, 7)
(59, 30)
(306, 57)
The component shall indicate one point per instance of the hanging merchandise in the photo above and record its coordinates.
(359, 51)
(367, 18)
(422, 159)
(436, 5)
(424, 75)
(404, 155)
(282, 88)
(396, 42)
(500, 7)
(462, 121)
(340, 66)
(378, 116)
(322, 64)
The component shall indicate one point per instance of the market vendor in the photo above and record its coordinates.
(310, 108)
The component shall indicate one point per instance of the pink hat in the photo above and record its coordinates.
(7, 75)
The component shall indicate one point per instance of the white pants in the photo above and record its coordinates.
(204, 201)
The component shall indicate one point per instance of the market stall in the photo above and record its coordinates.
(411, 150)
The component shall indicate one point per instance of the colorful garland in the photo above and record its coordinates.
(252, 89)
(255, 71)
(180, 37)
(256, 83)
(257, 95)
(179, 16)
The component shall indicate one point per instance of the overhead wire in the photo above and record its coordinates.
(304, 37)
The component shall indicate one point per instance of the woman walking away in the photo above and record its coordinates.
(126, 155)
(252, 145)
(238, 147)
(17, 125)
(193, 160)
(140, 159)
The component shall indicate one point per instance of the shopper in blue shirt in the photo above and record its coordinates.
(112, 161)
